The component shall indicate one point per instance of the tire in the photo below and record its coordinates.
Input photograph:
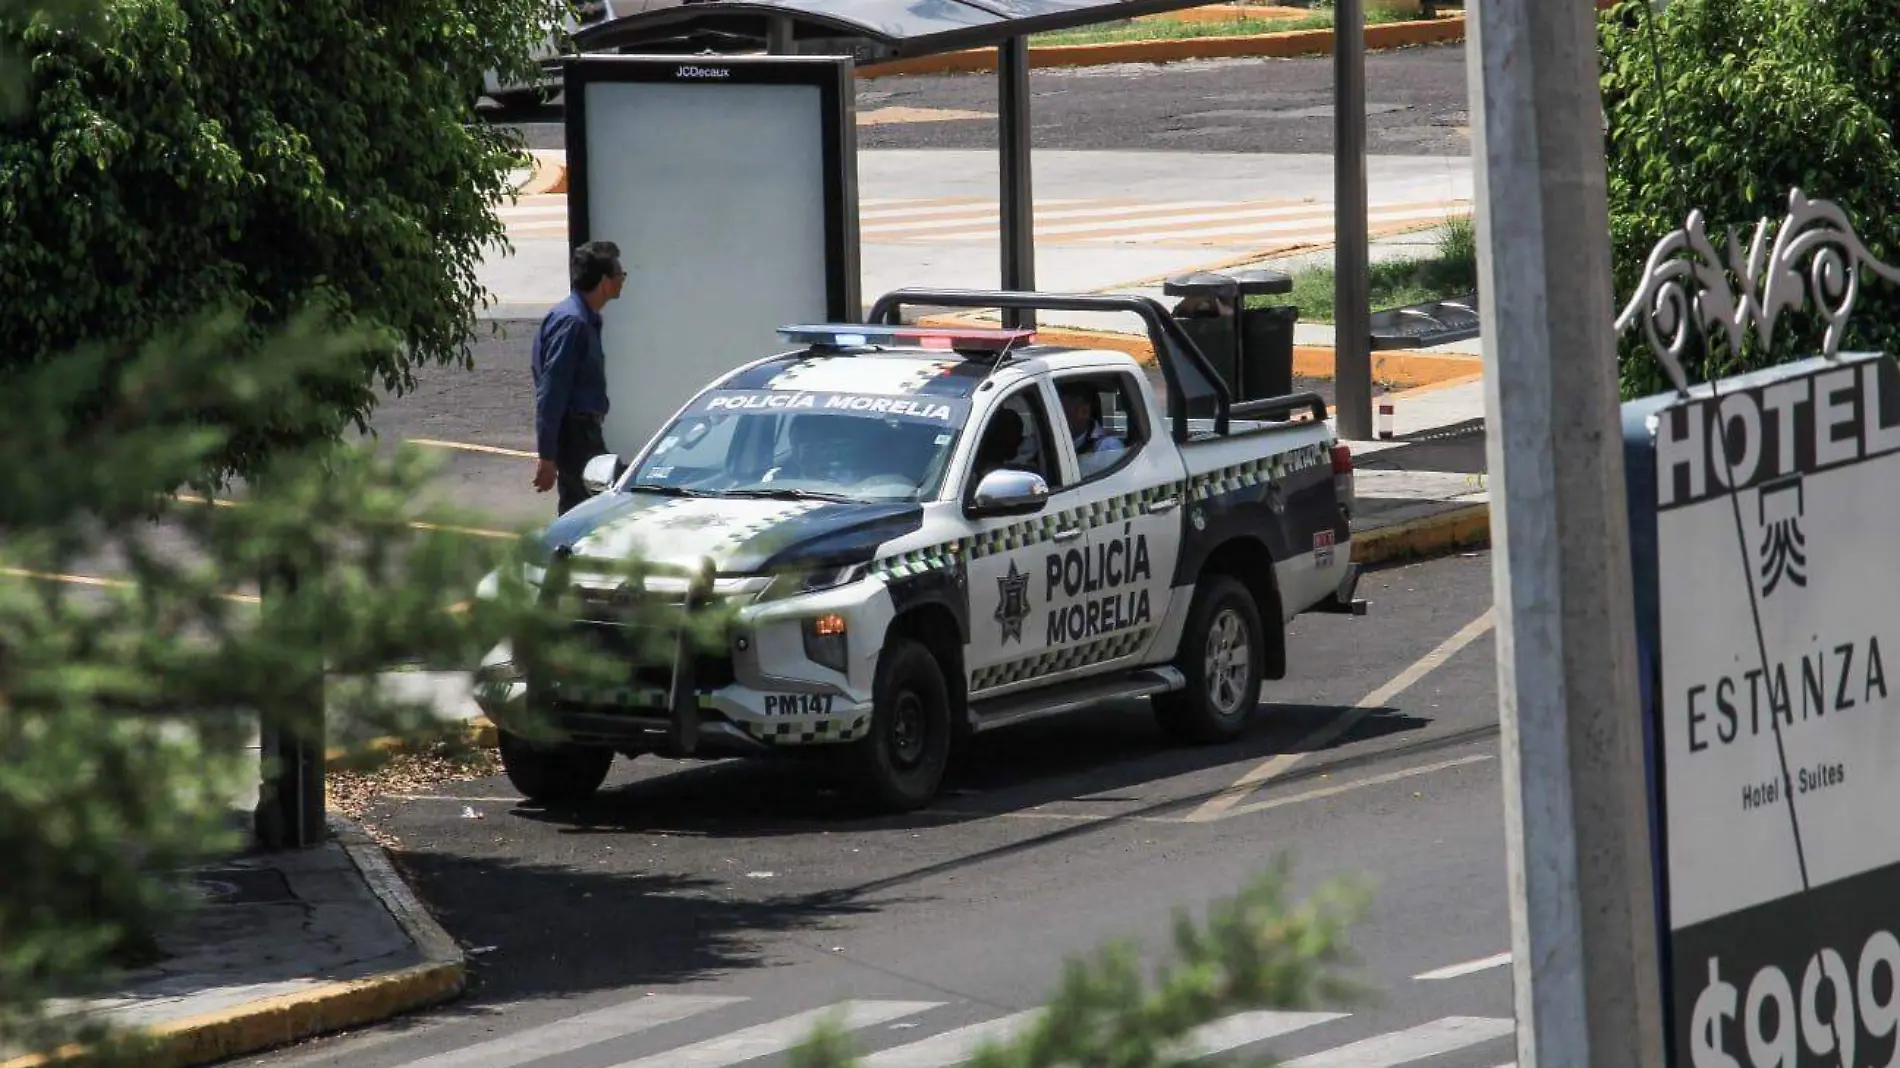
(1223, 627)
(553, 775)
(899, 765)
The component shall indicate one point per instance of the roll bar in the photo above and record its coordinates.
(1177, 354)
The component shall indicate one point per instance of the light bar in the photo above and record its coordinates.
(852, 335)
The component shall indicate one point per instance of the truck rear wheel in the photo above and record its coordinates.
(549, 774)
(1222, 650)
(900, 764)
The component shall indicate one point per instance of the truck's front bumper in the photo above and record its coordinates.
(757, 694)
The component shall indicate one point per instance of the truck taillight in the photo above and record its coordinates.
(1342, 458)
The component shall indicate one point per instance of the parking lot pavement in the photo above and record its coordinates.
(754, 885)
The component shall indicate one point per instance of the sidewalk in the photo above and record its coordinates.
(287, 946)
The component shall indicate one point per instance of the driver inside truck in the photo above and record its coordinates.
(1095, 447)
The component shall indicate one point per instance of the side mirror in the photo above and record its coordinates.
(1005, 492)
(600, 472)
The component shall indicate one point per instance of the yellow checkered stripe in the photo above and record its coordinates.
(1065, 658)
(1037, 529)
(1251, 473)
(808, 731)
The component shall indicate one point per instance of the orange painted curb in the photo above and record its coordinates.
(1403, 370)
(1413, 371)
(1283, 45)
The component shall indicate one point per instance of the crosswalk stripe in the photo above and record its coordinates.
(1398, 1047)
(1052, 221)
(574, 1032)
(777, 1036)
(1246, 1028)
(951, 1047)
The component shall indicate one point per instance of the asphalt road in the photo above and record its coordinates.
(1415, 103)
(751, 888)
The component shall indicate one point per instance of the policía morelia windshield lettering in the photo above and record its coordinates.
(1827, 678)
(781, 400)
(1107, 565)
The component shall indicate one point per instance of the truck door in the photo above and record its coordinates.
(1010, 603)
(1117, 587)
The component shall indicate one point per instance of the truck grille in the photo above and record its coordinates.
(650, 657)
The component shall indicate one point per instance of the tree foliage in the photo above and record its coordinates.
(264, 155)
(1726, 106)
(126, 702)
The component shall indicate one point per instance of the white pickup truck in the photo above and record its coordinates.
(930, 532)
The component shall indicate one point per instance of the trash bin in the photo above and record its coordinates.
(1207, 318)
(1252, 351)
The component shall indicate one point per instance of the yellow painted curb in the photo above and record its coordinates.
(279, 1021)
(1404, 370)
(269, 1023)
(1401, 370)
(1465, 527)
(1282, 45)
(550, 173)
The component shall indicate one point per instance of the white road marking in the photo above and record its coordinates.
(1217, 807)
(951, 1047)
(1398, 1047)
(1453, 971)
(575, 1032)
(777, 1036)
(1356, 784)
(1246, 1028)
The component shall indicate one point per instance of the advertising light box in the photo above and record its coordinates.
(729, 184)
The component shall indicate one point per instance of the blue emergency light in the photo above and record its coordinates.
(856, 335)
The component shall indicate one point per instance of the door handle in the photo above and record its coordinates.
(1068, 534)
(1166, 504)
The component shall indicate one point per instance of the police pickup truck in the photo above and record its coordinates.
(930, 532)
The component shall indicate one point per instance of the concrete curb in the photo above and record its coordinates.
(269, 1023)
(1284, 44)
(1455, 529)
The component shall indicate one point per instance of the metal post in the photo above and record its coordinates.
(1017, 208)
(1352, 312)
(778, 36)
(1583, 932)
(290, 805)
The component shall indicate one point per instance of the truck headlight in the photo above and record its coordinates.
(826, 641)
(814, 580)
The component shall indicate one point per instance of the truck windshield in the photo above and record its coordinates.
(870, 447)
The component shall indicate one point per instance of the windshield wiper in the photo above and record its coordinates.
(670, 491)
(786, 494)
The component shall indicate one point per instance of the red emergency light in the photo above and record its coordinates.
(946, 338)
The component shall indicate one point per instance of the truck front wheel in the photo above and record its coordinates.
(1222, 649)
(551, 774)
(899, 765)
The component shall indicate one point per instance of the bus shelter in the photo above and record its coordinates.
(879, 31)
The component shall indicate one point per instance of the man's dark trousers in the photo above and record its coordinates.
(580, 441)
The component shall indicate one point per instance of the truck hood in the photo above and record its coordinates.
(744, 535)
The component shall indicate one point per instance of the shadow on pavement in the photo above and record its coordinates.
(1111, 755)
(552, 929)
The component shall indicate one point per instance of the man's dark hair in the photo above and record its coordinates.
(593, 262)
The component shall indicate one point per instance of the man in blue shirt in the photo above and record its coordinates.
(570, 374)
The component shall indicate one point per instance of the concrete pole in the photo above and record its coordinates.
(1582, 921)
(1352, 313)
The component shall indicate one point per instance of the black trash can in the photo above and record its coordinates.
(1266, 336)
(1206, 316)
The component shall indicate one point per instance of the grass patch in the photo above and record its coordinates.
(1452, 272)
(1180, 29)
